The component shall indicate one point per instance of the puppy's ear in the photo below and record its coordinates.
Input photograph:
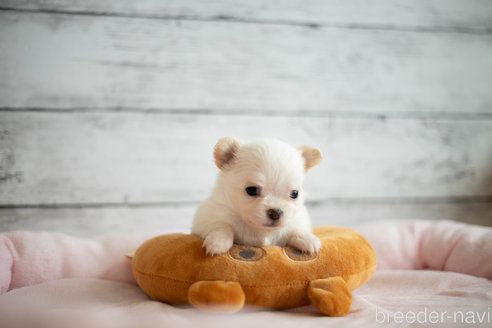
(312, 156)
(225, 152)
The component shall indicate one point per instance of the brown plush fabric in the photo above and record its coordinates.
(175, 269)
(217, 296)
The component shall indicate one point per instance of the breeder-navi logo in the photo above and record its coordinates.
(426, 316)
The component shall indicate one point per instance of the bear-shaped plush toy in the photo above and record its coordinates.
(174, 269)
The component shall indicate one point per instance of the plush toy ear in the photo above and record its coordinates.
(312, 156)
(225, 152)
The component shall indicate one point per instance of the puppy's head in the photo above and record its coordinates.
(263, 180)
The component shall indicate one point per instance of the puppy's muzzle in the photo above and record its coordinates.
(274, 213)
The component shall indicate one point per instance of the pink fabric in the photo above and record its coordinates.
(28, 258)
(441, 245)
(6, 264)
(399, 293)
(392, 298)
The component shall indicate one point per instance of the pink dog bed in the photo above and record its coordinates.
(428, 274)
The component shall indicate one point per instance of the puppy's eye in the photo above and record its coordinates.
(253, 191)
(294, 194)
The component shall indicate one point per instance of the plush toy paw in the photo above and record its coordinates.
(216, 244)
(331, 296)
(307, 242)
(216, 296)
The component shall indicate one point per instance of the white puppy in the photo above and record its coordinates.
(258, 198)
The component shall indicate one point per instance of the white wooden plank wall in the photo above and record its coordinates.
(109, 110)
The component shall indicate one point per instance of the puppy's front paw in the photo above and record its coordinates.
(217, 244)
(306, 242)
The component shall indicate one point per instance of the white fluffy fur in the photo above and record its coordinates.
(230, 215)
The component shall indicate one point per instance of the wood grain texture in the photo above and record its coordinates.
(87, 222)
(70, 158)
(109, 110)
(73, 61)
(476, 14)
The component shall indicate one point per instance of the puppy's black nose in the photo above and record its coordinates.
(274, 213)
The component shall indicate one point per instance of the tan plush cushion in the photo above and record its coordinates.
(174, 269)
